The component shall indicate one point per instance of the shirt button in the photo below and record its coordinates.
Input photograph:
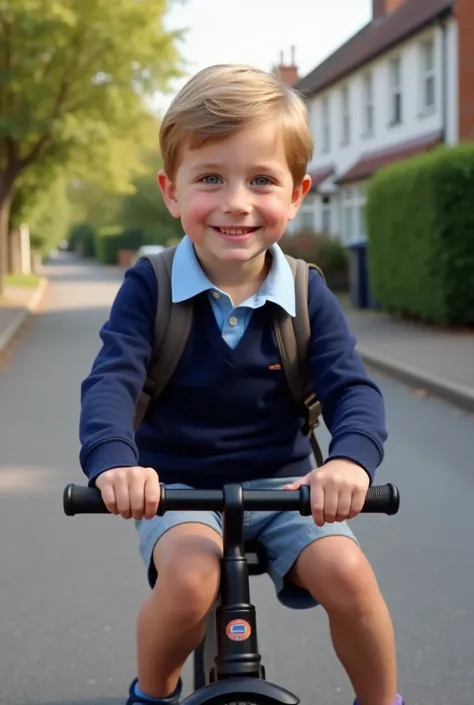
(216, 295)
(233, 321)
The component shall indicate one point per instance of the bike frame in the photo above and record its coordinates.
(204, 657)
(229, 650)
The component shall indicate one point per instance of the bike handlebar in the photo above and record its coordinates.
(380, 499)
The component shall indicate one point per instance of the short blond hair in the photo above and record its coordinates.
(219, 100)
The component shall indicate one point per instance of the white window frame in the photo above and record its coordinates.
(396, 92)
(428, 75)
(345, 116)
(308, 215)
(326, 126)
(368, 104)
(353, 214)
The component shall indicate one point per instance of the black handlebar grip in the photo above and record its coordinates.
(382, 498)
(82, 500)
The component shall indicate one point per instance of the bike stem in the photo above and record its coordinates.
(237, 646)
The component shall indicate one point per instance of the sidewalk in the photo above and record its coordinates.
(15, 308)
(438, 361)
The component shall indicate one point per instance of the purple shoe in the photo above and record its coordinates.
(398, 701)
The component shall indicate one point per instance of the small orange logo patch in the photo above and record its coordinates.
(238, 630)
(276, 366)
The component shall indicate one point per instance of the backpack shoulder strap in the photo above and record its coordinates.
(293, 336)
(172, 327)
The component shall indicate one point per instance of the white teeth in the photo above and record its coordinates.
(235, 231)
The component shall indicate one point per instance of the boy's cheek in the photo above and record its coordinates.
(198, 211)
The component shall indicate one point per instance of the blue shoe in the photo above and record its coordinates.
(134, 699)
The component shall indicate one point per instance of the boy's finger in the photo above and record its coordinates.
(317, 502)
(122, 493)
(357, 503)
(152, 494)
(109, 499)
(137, 496)
(331, 500)
(344, 505)
(296, 484)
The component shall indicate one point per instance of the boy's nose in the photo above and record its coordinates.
(237, 200)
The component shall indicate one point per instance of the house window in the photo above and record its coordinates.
(326, 141)
(326, 215)
(353, 216)
(368, 105)
(428, 75)
(306, 220)
(395, 91)
(346, 118)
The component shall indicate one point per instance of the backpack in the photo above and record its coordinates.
(173, 324)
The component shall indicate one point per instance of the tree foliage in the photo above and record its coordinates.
(75, 82)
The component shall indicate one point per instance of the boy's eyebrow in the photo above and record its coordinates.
(205, 166)
(216, 166)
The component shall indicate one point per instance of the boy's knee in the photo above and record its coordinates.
(339, 577)
(189, 577)
(191, 593)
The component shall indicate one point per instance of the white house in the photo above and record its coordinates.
(403, 84)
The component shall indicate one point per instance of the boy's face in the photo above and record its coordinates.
(235, 196)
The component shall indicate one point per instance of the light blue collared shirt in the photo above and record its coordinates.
(188, 280)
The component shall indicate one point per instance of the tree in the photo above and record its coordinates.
(144, 209)
(140, 208)
(75, 81)
(41, 200)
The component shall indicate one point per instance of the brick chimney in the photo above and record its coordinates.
(464, 10)
(288, 73)
(385, 7)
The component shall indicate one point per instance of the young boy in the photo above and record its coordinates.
(236, 144)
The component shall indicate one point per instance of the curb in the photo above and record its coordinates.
(457, 394)
(25, 312)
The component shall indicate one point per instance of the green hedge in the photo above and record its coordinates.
(81, 239)
(109, 241)
(326, 252)
(420, 224)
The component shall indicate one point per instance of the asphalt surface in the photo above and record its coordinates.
(70, 587)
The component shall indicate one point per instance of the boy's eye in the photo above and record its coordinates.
(211, 179)
(262, 180)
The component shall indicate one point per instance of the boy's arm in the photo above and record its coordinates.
(110, 392)
(352, 405)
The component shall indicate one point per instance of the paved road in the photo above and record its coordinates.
(70, 587)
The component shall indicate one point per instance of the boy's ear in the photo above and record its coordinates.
(299, 192)
(168, 191)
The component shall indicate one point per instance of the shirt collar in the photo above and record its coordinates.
(188, 279)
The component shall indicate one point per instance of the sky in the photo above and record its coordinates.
(256, 31)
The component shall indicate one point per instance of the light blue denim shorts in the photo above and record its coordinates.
(283, 534)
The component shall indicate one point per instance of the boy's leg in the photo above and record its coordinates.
(311, 564)
(337, 574)
(172, 619)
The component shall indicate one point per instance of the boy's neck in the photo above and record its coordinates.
(238, 281)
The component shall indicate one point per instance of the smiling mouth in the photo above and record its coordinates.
(235, 231)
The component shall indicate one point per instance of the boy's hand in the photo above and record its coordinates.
(130, 492)
(338, 490)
